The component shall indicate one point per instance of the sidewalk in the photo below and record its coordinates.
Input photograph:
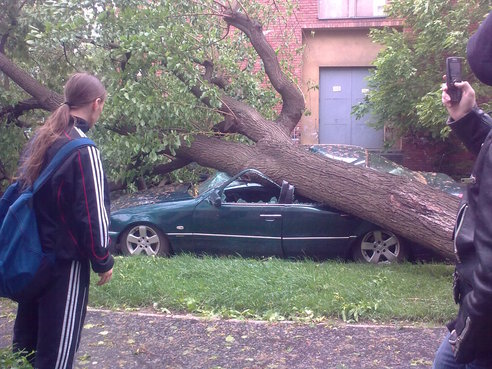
(152, 341)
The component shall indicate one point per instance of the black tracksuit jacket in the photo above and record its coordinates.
(72, 208)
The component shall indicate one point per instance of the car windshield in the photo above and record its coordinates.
(219, 178)
(212, 182)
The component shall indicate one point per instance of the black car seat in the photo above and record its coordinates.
(286, 193)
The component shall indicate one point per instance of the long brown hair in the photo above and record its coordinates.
(81, 89)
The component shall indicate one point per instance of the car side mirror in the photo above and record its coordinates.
(215, 199)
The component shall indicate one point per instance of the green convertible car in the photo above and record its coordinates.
(248, 215)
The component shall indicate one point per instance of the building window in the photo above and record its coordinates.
(333, 9)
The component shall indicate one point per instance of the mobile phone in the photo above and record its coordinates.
(453, 74)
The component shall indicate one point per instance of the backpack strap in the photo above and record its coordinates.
(60, 156)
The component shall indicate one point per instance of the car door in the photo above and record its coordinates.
(248, 222)
(315, 230)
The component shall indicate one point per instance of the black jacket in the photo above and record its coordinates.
(72, 208)
(473, 241)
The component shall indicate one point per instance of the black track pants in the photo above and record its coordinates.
(51, 324)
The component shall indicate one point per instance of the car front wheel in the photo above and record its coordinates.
(144, 239)
(379, 246)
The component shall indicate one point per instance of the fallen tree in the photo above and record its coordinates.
(408, 208)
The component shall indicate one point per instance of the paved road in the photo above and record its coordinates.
(143, 340)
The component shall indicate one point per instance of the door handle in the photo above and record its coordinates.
(270, 217)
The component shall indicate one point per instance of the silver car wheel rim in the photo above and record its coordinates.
(380, 247)
(143, 240)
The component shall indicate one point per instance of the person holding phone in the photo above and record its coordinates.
(468, 345)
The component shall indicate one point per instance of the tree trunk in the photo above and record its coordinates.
(408, 208)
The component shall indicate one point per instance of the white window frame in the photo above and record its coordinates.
(377, 9)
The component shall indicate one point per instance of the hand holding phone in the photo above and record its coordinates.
(467, 103)
(453, 74)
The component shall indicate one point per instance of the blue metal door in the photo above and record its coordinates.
(339, 90)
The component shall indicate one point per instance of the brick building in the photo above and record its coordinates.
(336, 56)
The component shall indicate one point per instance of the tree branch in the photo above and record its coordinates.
(245, 156)
(208, 76)
(122, 131)
(15, 111)
(13, 23)
(293, 100)
(108, 46)
(3, 172)
(171, 166)
(249, 122)
(66, 57)
(48, 99)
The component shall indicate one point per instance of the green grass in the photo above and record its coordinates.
(9, 360)
(276, 289)
(273, 290)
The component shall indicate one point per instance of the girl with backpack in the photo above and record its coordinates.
(72, 212)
